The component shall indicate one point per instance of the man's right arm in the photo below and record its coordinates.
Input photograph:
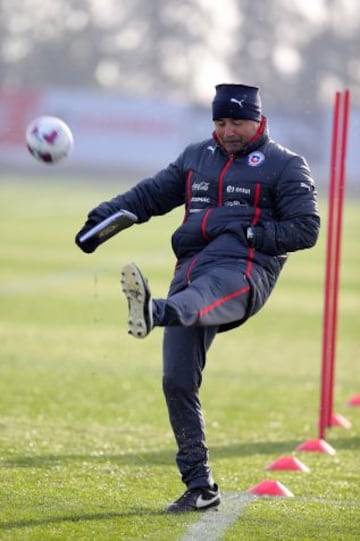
(152, 196)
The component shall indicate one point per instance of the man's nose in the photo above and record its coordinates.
(228, 130)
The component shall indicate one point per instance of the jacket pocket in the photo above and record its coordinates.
(188, 239)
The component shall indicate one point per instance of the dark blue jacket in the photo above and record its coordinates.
(266, 187)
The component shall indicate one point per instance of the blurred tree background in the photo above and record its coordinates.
(300, 51)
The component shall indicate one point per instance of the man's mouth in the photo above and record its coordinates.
(233, 142)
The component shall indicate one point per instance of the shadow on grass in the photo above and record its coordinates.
(160, 457)
(344, 444)
(32, 523)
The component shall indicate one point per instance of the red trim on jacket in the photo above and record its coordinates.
(221, 179)
(254, 221)
(260, 130)
(190, 267)
(203, 224)
(256, 216)
(218, 302)
(188, 193)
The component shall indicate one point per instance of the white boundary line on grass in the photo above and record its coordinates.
(214, 523)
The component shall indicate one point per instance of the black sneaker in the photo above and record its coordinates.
(138, 295)
(196, 499)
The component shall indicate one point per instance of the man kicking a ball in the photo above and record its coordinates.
(248, 202)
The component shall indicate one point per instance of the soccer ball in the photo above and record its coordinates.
(49, 139)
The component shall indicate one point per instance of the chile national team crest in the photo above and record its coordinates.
(256, 158)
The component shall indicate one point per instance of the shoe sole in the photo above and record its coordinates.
(138, 296)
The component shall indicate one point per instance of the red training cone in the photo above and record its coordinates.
(317, 446)
(338, 420)
(354, 400)
(288, 463)
(270, 488)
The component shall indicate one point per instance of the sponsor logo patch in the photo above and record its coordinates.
(256, 158)
(200, 199)
(201, 186)
(238, 189)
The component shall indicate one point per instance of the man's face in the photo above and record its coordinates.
(235, 134)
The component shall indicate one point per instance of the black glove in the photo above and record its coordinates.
(91, 245)
(95, 216)
(240, 232)
(255, 237)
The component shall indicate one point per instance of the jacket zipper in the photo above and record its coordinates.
(254, 221)
(221, 180)
(220, 202)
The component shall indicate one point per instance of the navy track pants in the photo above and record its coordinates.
(191, 318)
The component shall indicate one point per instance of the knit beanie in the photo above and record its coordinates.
(236, 101)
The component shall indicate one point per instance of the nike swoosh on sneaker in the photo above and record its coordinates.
(200, 502)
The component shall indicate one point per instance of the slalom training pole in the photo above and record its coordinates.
(333, 254)
(344, 109)
(326, 343)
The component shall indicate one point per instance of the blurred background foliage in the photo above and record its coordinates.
(301, 51)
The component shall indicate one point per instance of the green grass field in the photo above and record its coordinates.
(86, 451)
